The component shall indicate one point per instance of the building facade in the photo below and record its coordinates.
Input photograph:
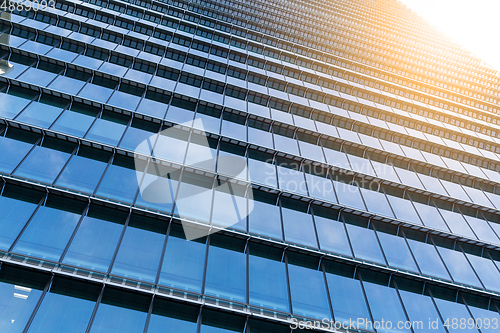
(371, 141)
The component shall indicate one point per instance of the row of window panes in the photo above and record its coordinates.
(289, 220)
(109, 128)
(391, 83)
(230, 263)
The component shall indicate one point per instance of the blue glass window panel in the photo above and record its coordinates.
(152, 108)
(361, 165)
(81, 174)
(106, 131)
(365, 244)
(232, 198)
(226, 274)
(94, 244)
(179, 116)
(286, 144)
(451, 310)
(459, 267)
(376, 202)
(262, 172)
(62, 313)
(457, 223)
(396, 251)
(210, 124)
(336, 158)
(385, 171)
(17, 302)
(320, 187)
(299, 228)
(259, 137)
(487, 271)
(430, 216)
(482, 229)
(420, 308)
(12, 152)
(114, 319)
(478, 196)
(139, 254)
(268, 286)
(194, 200)
(67, 85)
(40, 114)
(234, 130)
(96, 93)
(87, 61)
(119, 183)
(385, 305)
(265, 220)
(43, 164)
(455, 190)
(199, 155)
(11, 105)
(349, 195)
(308, 292)
(47, 234)
(134, 136)
(291, 179)
(404, 209)
(155, 175)
(311, 151)
(15, 214)
(409, 177)
(171, 145)
(332, 236)
(214, 322)
(37, 77)
(428, 259)
(62, 54)
(348, 300)
(433, 184)
(183, 264)
(173, 318)
(124, 100)
(73, 123)
(481, 317)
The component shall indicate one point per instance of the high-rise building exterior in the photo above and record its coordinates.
(369, 202)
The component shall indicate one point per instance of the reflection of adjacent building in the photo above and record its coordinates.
(5, 66)
(372, 183)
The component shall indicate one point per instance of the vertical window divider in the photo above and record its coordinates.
(164, 249)
(125, 225)
(321, 266)
(40, 203)
(148, 317)
(82, 217)
(289, 291)
(110, 161)
(37, 306)
(96, 307)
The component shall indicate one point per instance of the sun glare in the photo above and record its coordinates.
(473, 24)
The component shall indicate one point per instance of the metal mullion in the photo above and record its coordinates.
(289, 291)
(75, 150)
(96, 307)
(378, 240)
(28, 154)
(439, 254)
(148, 317)
(360, 279)
(162, 256)
(411, 251)
(115, 254)
(40, 204)
(80, 221)
(200, 318)
(110, 162)
(37, 306)
(401, 301)
(426, 287)
(321, 267)
(470, 264)
(206, 267)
